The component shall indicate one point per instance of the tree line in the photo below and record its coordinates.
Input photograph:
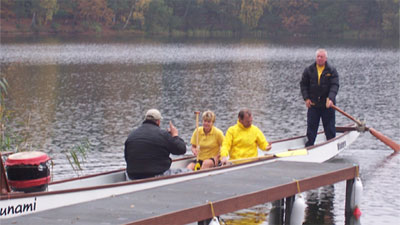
(371, 18)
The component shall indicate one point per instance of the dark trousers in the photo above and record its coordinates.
(328, 121)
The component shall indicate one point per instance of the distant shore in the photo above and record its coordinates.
(22, 27)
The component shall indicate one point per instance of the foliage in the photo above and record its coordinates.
(11, 138)
(251, 11)
(292, 17)
(95, 11)
(158, 17)
(16, 141)
(390, 17)
(6, 7)
(77, 155)
(48, 9)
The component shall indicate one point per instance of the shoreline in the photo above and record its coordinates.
(22, 28)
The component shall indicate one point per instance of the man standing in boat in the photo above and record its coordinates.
(242, 140)
(147, 148)
(319, 86)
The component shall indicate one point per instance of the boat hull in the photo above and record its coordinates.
(113, 183)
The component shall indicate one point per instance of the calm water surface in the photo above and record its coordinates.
(69, 90)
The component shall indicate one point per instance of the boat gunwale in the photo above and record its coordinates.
(16, 195)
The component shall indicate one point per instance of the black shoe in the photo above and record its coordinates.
(308, 144)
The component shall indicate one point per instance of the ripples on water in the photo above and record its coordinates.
(142, 53)
(100, 91)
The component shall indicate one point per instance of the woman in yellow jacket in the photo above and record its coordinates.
(210, 142)
(243, 139)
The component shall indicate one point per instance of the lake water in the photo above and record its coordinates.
(69, 89)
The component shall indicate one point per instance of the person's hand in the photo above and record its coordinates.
(224, 160)
(195, 150)
(308, 103)
(268, 147)
(172, 130)
(329, 103)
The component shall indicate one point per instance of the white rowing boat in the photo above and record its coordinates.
(109, 184)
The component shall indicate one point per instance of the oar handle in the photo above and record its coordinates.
(347, 115)
(197, 132)
(197, 128)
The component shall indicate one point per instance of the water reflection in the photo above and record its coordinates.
(320, 205)
(71, 91)
(255, 216)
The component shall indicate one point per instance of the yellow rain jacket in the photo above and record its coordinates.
(241, 142)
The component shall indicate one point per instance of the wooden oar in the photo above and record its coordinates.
(302, 151)
(197, 166)
(389, 142)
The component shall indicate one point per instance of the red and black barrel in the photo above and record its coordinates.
(28, 171)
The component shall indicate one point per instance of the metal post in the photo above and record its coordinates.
(348, 209)
(276, 213)
(289, 207)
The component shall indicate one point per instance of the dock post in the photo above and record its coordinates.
(204, 222)
(288, 209)
(276, 213)
(347, 210)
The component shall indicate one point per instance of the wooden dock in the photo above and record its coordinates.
(189, 201)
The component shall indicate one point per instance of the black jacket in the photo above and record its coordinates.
(147, 149)
(328, 87)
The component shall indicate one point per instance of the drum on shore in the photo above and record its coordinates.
(28, 171)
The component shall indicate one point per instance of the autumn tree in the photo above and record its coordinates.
(251, 11)
(94, 11)
(6, 9)
(120, 9)
(66, 11)
(296, 14)
(329, 18)
(390, 16)
(157, 17)
(140, 7)
(48, 8)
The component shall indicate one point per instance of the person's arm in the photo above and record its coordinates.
(308, 103)
(194, 150)
(305, 85)
(262, 141)
(329, 103)
(334, 85)
(172, 130)
(177, 146)
(193, 142)
(220, 140)
(226, 146)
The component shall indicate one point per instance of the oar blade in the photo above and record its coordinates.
(292, 153)
(251, 159)
(389, 142)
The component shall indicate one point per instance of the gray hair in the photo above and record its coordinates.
(321, 50)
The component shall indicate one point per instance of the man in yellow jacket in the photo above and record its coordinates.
(241, 140)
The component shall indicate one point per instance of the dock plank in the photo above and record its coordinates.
(188, 201)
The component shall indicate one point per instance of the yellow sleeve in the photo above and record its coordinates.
(261, 141)
(227, 143)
